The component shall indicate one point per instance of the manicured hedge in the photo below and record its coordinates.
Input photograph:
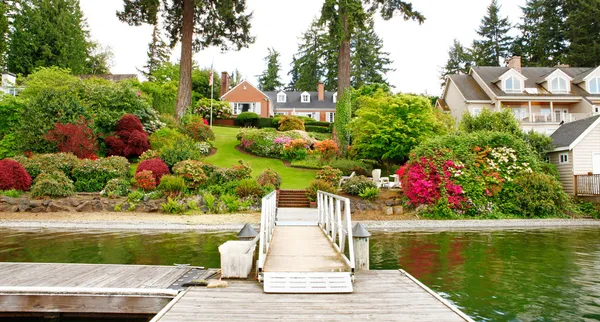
(318, 129)
(265, 122)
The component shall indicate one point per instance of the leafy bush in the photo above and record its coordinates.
(172, 185)
(249, 188)
(588, 208)
(172, 206)
(52, 184)
(357, 185)
(198, 130)
(211, 202)
(116, 188)
(289, 123)
(329, 174)
(296, 150)
(157, 166)
(192, 172)
(180, 150)
(11, 193)
(93, 175)
(316, 185)
(247, 119)
(13, 176)
(327, 149)
(317, 129)
(268, 188)
(131, 140)
(145, 180)
(135, 196)
(165, 137)
(78, 139)
(221, 109)
(535, 195)
(370, 194)
(265, 122)
(149, 154)
(349, 166)
(231, 202)
(269, 176)
(204, 148)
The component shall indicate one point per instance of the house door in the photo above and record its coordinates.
(560, 114)
(596, 162)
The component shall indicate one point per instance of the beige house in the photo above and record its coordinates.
(577, 155)
(541, 98)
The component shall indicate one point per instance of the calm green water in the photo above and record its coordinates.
(529, 275)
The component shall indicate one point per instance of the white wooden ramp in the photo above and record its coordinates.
(302, 249)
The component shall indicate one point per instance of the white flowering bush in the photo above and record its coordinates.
(204, 147)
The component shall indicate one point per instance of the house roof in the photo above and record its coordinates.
(110, 77)
(240, 84)
(535, 76)
(443, 105)
(469, 88)
(293, 100)
(567, 135)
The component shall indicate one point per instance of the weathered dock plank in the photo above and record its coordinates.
(377, 296)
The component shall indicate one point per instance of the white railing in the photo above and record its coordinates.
(267, 225)
(336, 228)
(548, 118)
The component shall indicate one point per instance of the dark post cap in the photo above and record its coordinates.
(247, 232)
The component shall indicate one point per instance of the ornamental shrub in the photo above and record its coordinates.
(180, 150)
(247, 119)
(145, 180)
(131, 140)
(13, 176)
(249, 188)
(173, 206)
(315, 186)
(192, 172)
(78, 139)
(329, 174)
(157, 166)
(327, 149)
(235, 173)
(165, 137)
(349, 166)
(149, 154)
(370, 194)
(116, 188)
(38, 163)
(296, 150)
(197, 129)
(535, 195)
(269, 176)
(357, 185)
(268, 142)
(220, 109)
(289, 123)
(172, 185)
(93, 175)
(52, 184)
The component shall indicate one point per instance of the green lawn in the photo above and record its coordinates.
(228, 156)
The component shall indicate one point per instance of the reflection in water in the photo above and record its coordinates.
(516, 275)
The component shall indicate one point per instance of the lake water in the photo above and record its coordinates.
(510, 275)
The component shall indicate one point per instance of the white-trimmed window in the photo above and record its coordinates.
(281, 97)
(563, 158)
(594, 85)
(559, 85)
(281, 113)
(335, 97)
(513, 85)
(305, 97)
(330, 117)
(476, 111)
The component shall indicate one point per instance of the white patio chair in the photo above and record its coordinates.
(376, 174)
(346, 178)
(396, 183)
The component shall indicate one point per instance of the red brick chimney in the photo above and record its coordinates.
(321, 90)
(515, 62)
(224, 83)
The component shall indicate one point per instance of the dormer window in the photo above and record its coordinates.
(281, 97)
(513, 85)
(594, 85)
(305, 98)
(335, 97)
(559, 85)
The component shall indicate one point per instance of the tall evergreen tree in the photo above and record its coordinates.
(48, 33)
(294, 75)
(3, 32)
(197, 24)
(269, 80)
(158, 53)
(583, 32)
(235, 78)
(543, 33)
(495, 43)
(370, 63)
(309, 63)
(459, 60)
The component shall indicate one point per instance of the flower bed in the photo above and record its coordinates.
(270, 143)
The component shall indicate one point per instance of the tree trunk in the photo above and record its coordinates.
(344, 57)
(184, 94)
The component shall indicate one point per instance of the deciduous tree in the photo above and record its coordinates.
(197, 24)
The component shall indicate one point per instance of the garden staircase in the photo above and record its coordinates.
(292, 199)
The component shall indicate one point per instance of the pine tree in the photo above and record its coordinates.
(269, 80)
(495, 43)
(543, 33)
(583, 32)
(235, 78)
(197, 24)
(48, 33)
(158, 53)
(309, 63)
(369, 62)
(294, 75)
(459, 60)
(3, 32)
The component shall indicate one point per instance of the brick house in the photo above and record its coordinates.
(245, 97)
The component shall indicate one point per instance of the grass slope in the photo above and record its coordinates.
(228, 156)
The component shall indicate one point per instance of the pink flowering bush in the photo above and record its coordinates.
(268, 142)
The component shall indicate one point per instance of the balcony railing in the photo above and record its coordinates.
(587, 185)
(14, 91)
(548, 118)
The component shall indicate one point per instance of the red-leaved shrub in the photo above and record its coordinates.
(13, 176)
(157, 166)
(145, 180)
(78, 139)
(130, 140)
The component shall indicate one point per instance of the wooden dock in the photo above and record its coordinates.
(87, 289)
(378, 296)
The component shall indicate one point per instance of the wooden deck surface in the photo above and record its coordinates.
(303, 249)
(377, 296)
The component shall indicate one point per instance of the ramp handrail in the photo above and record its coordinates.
(267, 225)
(336, 228)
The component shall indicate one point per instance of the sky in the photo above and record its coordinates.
(418, 51)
